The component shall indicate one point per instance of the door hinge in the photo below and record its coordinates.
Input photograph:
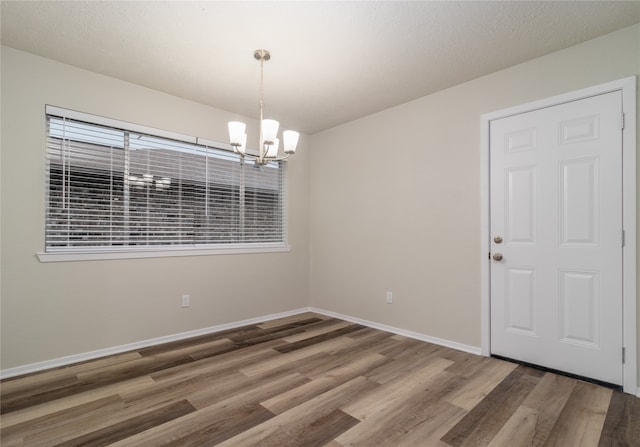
(623, 238)
(622, 121)
(623, 354)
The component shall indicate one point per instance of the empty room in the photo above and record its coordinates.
(319, 223)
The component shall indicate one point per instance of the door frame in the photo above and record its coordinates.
(629, 299)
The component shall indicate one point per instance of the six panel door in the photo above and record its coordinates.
(556, 219)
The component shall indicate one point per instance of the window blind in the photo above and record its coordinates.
(110, 188)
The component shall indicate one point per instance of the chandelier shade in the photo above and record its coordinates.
(290, 141)
(269, 143)
(237, 135)
(269, 131)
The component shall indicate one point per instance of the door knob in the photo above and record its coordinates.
(497, 240)
(497, 256)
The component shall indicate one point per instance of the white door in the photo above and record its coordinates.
(556, 219)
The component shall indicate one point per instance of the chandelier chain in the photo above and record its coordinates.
(261, 88)
(261, 147)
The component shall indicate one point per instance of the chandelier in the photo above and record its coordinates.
(269, 143)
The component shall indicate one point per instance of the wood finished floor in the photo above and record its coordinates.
(305, 381)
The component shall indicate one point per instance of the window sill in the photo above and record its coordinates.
(64, 256)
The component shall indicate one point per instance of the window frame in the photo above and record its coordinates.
(153, 251)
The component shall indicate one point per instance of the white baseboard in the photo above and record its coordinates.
(63, 361)
(410, 334)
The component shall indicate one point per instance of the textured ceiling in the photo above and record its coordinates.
(332, 61)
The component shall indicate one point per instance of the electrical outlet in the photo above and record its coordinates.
(186, 300)
(389, 297)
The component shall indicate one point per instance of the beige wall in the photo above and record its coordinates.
(395, 199)
(51, 310)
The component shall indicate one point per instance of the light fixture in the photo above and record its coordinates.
(268, 141)
(147, 180)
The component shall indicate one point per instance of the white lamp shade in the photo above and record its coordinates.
(290, 138)
(269, 130)
(236, 132)
(272, 149)
(243, 144)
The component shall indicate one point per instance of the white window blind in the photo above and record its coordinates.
(111, 188)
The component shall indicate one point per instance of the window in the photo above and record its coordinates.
(116, 188)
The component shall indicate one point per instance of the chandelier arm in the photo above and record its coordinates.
(264, 160)
(283, 158)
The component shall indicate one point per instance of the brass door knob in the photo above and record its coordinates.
(497, 257)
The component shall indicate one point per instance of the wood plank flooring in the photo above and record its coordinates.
(305, 381)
